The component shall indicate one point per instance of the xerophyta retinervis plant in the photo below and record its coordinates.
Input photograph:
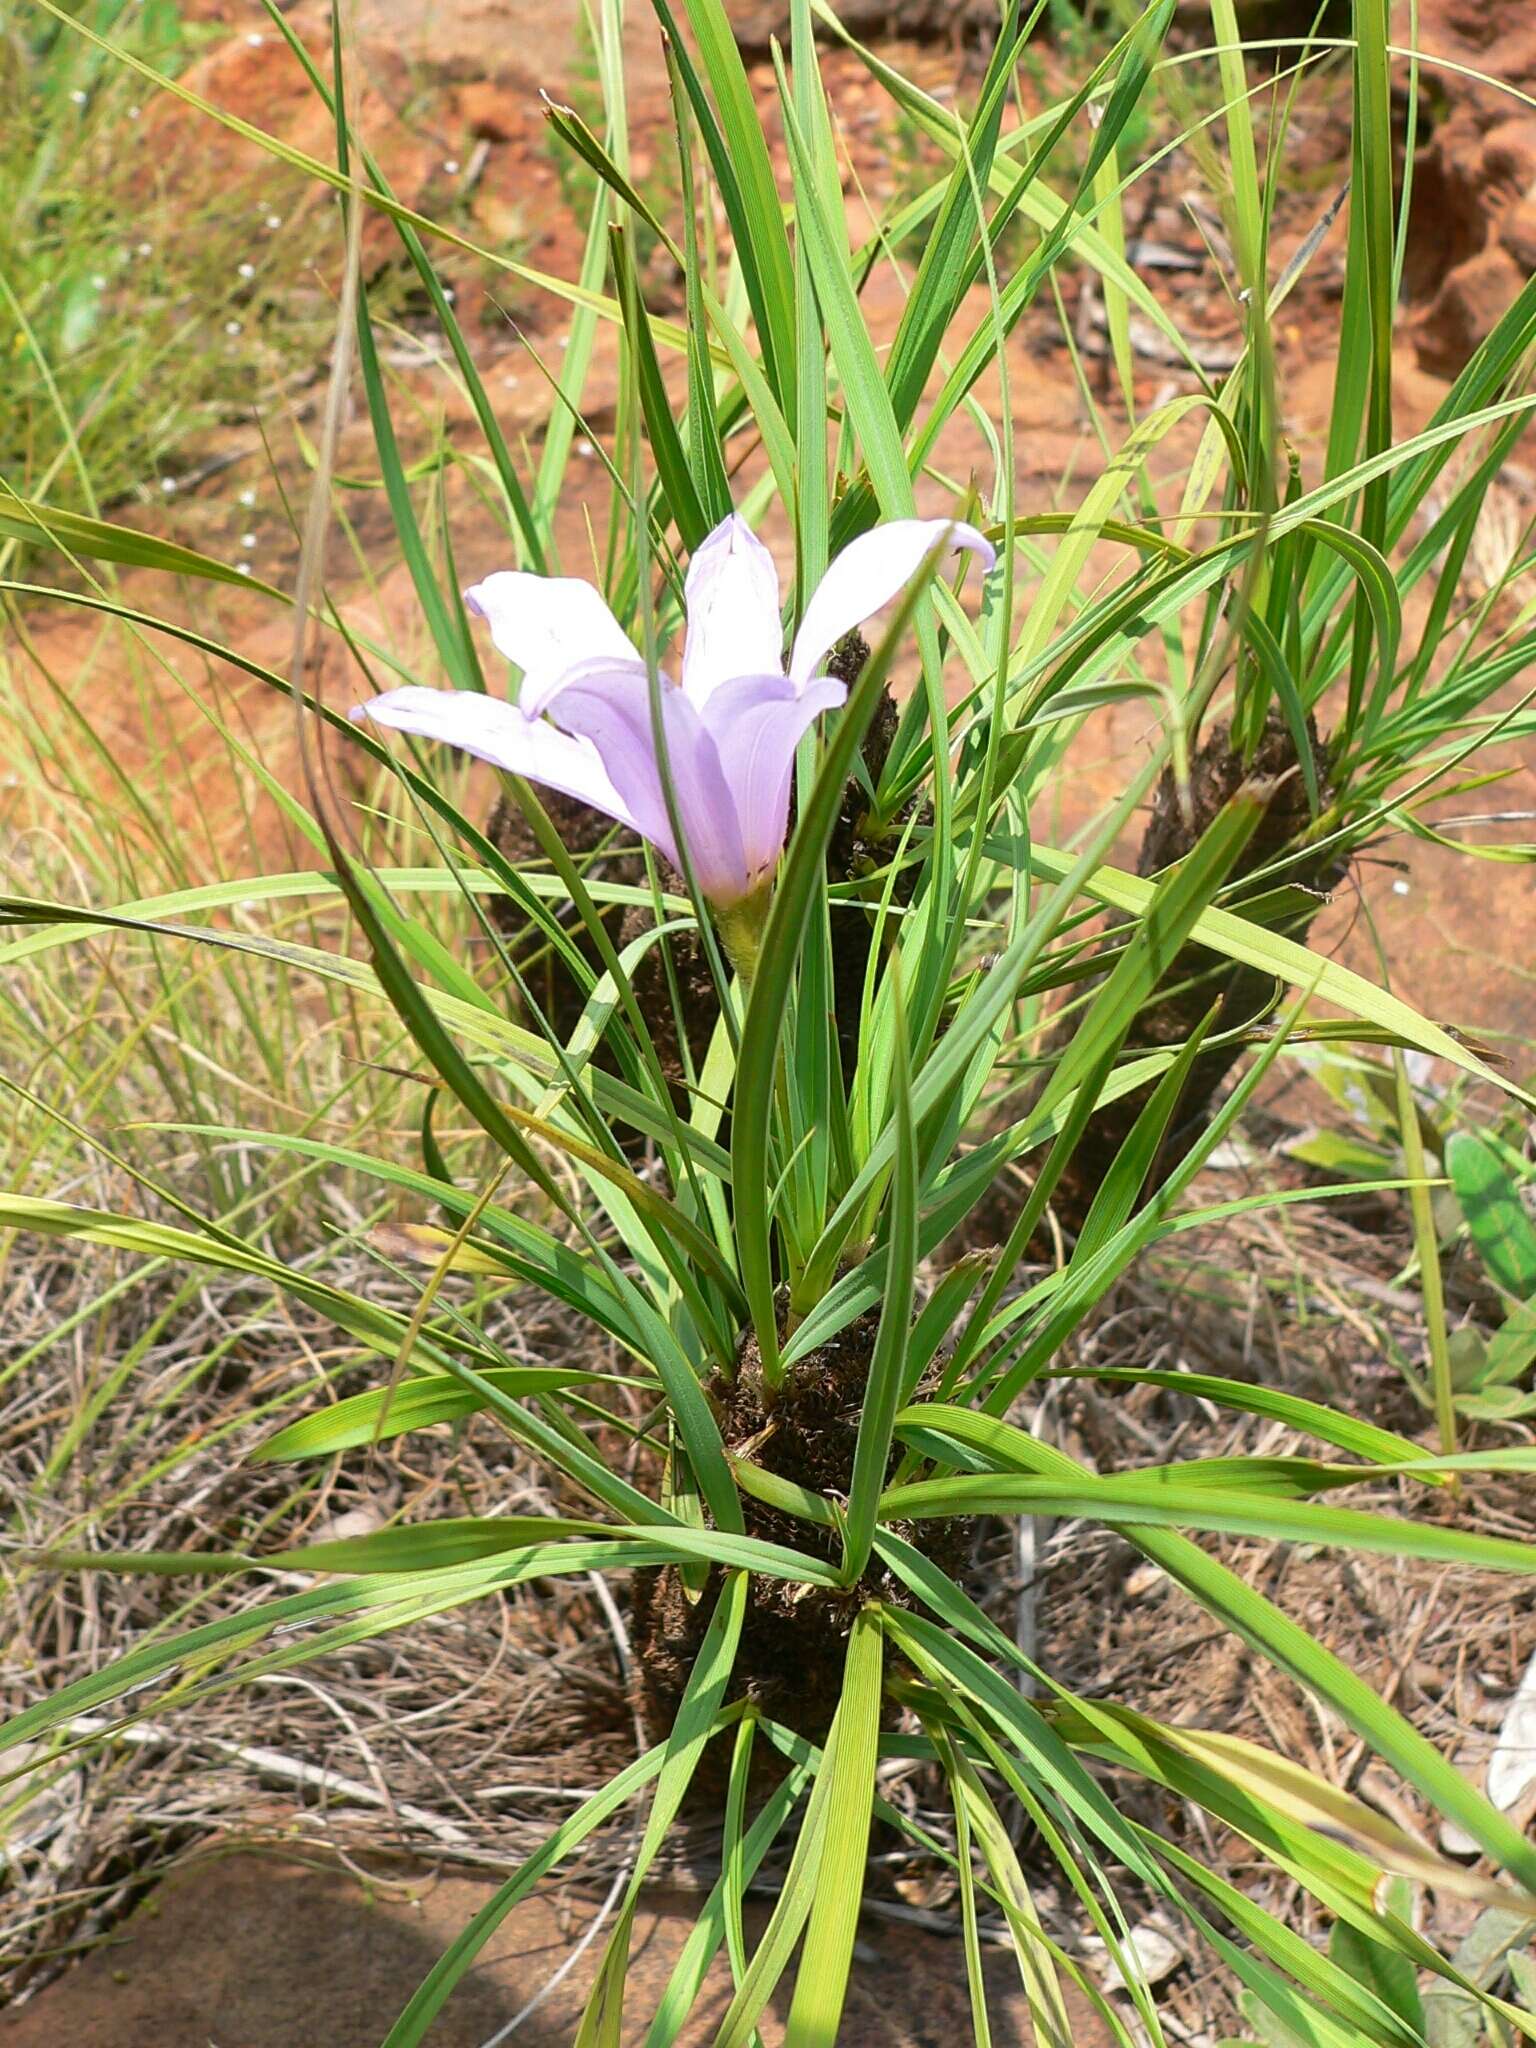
(772, 1237)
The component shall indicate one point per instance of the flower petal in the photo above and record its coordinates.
(868, 574)
(501, 733)
(734, 628)
(547, 624)
(756, 723)
(610, 704)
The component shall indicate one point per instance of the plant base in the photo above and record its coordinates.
(794, 1638)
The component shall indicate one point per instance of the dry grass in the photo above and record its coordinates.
(465, 1736)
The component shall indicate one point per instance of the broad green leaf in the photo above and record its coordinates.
(796, 1896)
(430, 1546)
(719, 1918)
(1331, 1425)
(1145, 1499)
(379, 1605)
(738, 154)
(1042, 1987)
(1354, 2000)
(1273, 1634)
(381, 1330)
(697, 1720)
(821, 1986)
(882, 1393)
(415, 1404)
(98, 540)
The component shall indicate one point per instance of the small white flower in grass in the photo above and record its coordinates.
(274, 220)
(133, 113)
(79, 97)
(231, 327)
(245, 270)
(451, 166)
(255, 38)
(168, 484)
(244, 568)
(98, 283)
(246, 497)
(247, 540)
(582, 723)
(145, 249)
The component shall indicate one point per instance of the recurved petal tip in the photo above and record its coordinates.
(868, 574)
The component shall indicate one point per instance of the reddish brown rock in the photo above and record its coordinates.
(429, 83)
(1467, 308)
(758, 22)
(1494, 38)
(489, 111)
(1450, 219)
(518, 48)
(1509, 159)
(253, 76)
(1475, 172)
(1517, 232)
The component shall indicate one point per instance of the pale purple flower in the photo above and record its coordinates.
(582, 723)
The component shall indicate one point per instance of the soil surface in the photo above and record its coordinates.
(254, 1951)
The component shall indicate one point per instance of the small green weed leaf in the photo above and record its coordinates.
(1500, 1225)
(1380, 1969)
